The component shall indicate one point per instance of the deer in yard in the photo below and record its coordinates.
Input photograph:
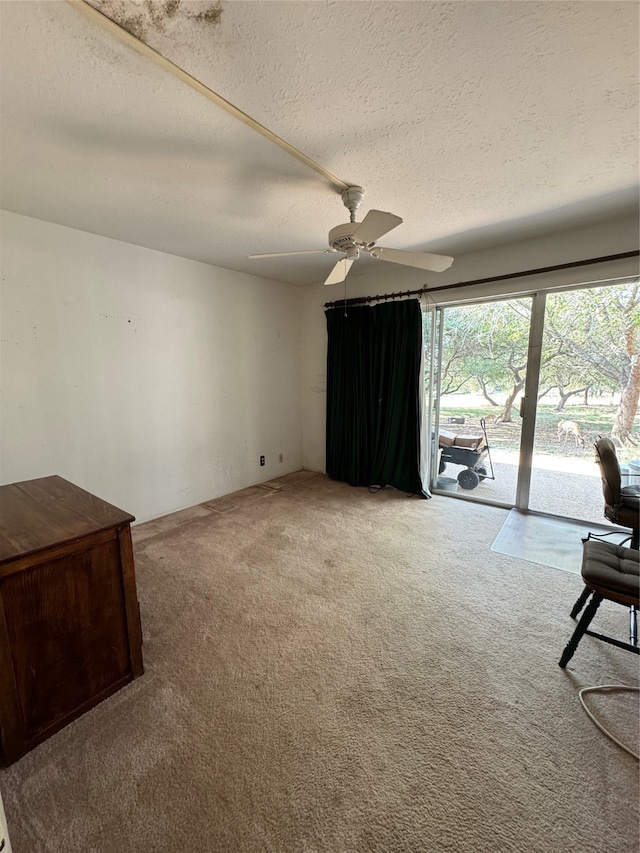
(570, 428)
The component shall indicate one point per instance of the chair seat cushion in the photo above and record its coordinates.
(611, 567)
(631, 496)
(627, 512)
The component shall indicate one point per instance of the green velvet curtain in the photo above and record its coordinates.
(374, 383)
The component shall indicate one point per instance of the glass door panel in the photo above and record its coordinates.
(589, 387)
(482, 351)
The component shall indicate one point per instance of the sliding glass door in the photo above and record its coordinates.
(589, 387)
(521, 389)
(482, 352)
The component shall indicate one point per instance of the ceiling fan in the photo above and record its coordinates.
(355, 237)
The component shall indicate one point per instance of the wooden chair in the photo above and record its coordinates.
(612, 572)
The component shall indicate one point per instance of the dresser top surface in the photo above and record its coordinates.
(37, 514)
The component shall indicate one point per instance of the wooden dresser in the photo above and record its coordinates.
(69, 619)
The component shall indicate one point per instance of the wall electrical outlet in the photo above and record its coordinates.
(280, 457)
(261, 461)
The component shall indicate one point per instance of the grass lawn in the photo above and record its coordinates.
(593, 420)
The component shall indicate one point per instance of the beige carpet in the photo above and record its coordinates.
(334, 671)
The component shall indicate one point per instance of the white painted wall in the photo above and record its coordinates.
(611, 237)
(153, 381)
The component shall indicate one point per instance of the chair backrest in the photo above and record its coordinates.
(609, 470)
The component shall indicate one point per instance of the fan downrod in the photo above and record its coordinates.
(352, 199)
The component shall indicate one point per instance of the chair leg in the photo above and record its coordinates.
(633, 625)
(580, 603)
(581, 627)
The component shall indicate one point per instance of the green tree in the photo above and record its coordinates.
(591, 343)
(492, 340)
(598, 331)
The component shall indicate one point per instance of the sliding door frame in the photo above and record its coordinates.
(535, 342)
(432, 409)
(528, 403)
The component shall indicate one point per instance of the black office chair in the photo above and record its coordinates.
(621, 503)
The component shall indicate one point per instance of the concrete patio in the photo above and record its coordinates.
(560, 485)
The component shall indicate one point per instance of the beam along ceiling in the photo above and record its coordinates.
(490, 119)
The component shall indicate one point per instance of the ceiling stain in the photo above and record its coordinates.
(207, 16)
(143, 18)
(171, 7)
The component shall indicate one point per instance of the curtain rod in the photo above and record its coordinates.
(357, 300)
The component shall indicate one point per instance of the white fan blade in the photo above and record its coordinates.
(284, 254)
(422, 260)
(339, 272)
(374, 225)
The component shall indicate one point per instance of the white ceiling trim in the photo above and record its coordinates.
(119, 32)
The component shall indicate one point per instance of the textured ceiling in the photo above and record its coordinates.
(471, 120)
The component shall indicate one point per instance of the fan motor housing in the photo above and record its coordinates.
(341, 237)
